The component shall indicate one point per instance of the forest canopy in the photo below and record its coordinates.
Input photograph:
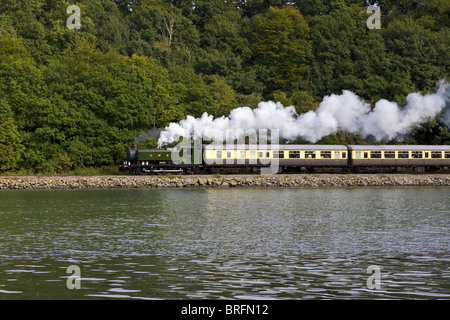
(74, 98)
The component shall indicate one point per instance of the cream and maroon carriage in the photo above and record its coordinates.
(372, 158)
(316, 158)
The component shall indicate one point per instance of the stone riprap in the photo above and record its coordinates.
(226, 181)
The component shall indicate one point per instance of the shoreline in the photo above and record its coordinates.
(225, 181)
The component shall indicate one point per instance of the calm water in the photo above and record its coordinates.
(226, 243)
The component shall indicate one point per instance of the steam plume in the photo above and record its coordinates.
(152, 133)
(387, 120)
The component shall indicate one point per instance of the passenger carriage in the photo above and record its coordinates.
(371, 157)
(319, 158)
(287, 158)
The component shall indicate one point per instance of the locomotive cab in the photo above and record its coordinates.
(160, 160)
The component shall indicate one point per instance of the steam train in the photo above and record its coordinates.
(286, 158)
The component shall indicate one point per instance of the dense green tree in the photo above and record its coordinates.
(281, 43)
(162, 32)
(126, 6)
(431, 133)
(191, 90)
(253, 7)
(200, 11)
(224, 97)
(222, 46)
(11, 147)
(334, 39)
(71, 99)
(419, 52)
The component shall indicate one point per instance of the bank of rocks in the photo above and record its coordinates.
(126, 182)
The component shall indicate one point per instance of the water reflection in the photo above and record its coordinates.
(225, 243)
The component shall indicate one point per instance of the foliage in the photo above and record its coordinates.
(74, 100)
(280, 42)
(10, 142)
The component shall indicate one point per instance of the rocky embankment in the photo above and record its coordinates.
(227, 181)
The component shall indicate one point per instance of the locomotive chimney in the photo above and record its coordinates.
(132, 153)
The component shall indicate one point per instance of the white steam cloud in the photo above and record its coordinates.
(387, 120)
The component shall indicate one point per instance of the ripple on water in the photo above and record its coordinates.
(227, 244)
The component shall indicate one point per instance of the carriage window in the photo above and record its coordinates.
(310, 154)
(358, 155)
(366, 155)
(436, 155)
(242, 154)
(261, 155)
(389, 154)
(427, 154)
(344, 155)
(447, 154)
(253, 154)
(375, 154)
(294, 154)
(325, 154)
(403, 154)
(337, 155)
(278, 154)
(267, 154)
(416, 154)
(219, 154)
(228, 154)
